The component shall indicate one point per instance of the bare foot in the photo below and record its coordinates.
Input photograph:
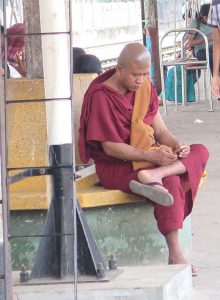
(180, 259)
(149, 176)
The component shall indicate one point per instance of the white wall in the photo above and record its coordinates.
(104, 23)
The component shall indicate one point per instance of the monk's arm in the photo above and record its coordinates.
(124, 151)
(162, 134)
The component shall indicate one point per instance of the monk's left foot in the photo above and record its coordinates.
(182, 260)
(153, 191)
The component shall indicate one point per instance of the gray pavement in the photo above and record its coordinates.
(133, 283)
(186, 124)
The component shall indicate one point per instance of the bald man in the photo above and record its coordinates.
(122, 130)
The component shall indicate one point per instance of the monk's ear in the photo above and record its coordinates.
(118, 69)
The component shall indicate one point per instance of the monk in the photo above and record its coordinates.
(122, 130)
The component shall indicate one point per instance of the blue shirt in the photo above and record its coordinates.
(206, 29)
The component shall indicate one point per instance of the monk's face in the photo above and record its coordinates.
(132, 76)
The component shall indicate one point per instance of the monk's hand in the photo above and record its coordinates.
(183, 151)
(163, 156)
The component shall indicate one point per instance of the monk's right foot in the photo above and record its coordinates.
(149, 176)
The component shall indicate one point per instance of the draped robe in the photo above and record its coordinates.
(106, 116)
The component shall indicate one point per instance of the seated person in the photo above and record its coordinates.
(196, 41)
(15, 50)
(77, 51)
(122, 130)
(87, 63)
(169, 86)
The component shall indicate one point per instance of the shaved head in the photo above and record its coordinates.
(132, 69)
(134, 53)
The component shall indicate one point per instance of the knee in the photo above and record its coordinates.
(201, 151)
(171, 182)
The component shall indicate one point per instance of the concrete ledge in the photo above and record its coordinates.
(135, 283)
(130, 232)
(127, 231)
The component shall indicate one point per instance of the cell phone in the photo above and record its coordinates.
(179, 150)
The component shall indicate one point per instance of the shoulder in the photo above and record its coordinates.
(99, 97)
(193, 24)
(206, 29)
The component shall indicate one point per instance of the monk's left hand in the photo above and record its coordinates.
(184, 151)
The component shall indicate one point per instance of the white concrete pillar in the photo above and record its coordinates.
(56, 52)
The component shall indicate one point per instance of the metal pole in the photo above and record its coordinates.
(144, 25)
(198, 87)
(4, 155)
(175, 57)
(151, 19)
(162, 78)
(73, 155)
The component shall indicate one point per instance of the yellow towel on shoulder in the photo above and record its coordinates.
(142, 135)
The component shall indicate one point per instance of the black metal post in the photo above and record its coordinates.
(55, 256)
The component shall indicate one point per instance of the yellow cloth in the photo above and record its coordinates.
(142, 135)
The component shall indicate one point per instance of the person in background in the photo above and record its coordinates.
(196, 41)
(87, 63)
(191, 79)
(169, 86)
(77, 51)
(214, 22)
(3, 63)
(15, 50)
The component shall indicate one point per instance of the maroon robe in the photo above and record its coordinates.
(106, 116)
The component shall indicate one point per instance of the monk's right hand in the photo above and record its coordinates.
(162, 156)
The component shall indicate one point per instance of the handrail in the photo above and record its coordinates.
(174, 63)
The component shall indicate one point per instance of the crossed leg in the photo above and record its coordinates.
(157, 174)
(149, 183)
